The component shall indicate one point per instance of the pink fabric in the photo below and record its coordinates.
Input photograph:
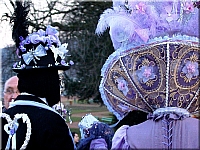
(149, 135)
(98, 144)
(120, 139)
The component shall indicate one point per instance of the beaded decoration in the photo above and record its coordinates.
(11, 129)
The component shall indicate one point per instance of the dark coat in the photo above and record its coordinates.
(49, 130)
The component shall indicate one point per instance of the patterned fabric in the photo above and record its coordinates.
(151, 77)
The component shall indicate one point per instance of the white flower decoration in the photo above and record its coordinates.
(60, 51)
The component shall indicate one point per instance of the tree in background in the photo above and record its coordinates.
(88, 51)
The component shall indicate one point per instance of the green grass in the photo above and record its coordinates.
(77, 111)
(78, 119)
(74, 119)
(85, 109)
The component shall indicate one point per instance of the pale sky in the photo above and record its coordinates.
(5, 29)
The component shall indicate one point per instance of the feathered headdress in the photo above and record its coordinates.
(19, 20)
(134, 22)
(156, 62)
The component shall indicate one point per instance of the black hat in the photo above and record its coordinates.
(42, 50)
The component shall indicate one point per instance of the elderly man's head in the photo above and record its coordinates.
(10, 90)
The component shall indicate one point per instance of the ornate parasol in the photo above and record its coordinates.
(152, 77)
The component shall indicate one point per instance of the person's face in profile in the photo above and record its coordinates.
(76, 138)
(10, 91)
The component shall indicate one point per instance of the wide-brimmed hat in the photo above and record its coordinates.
(156, 60)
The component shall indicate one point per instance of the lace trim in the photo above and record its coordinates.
(175, 110)
(173, 113)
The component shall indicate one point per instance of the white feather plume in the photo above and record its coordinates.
(103, 23)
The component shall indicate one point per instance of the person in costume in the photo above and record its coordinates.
(157, 57)
(30, 122)
(94, 134)
(10, 91)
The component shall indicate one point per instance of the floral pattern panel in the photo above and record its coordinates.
(184, 74)
(121, 92)
(146, 68)
(157, 76)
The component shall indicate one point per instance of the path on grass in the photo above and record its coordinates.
(95, 109)
(98, 114)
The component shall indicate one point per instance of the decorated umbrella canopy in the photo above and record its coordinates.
(156, 76)
(156, 62)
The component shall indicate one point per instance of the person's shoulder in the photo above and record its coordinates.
(119, 140)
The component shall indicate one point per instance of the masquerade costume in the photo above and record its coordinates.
(94, 134)
(155, 69)
(30, 122)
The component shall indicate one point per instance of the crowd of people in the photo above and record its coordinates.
(154, 69)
